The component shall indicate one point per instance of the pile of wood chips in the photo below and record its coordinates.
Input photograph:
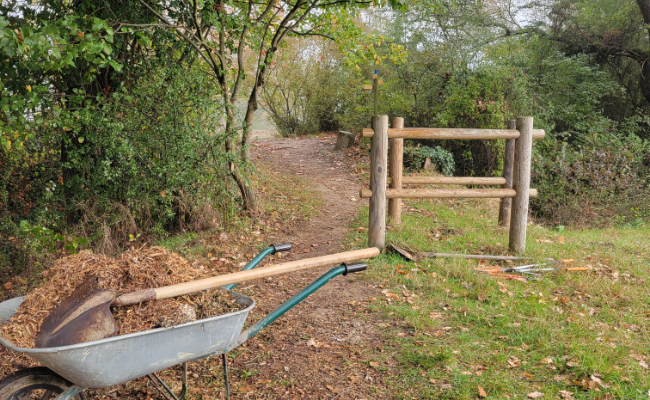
(132, 271)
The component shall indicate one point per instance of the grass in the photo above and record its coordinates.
(451, 329)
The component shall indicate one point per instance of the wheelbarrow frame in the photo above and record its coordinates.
(232, 339)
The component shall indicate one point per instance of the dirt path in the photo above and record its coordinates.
(315, 351)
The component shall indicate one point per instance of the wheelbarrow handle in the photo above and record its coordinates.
(272, 249)
(180, 289)
(251, 331)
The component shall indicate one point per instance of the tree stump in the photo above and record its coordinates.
(344, 140)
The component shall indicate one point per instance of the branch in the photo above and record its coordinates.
(209, 60)
(311, 33)
(240, 55)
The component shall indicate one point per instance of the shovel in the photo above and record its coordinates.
(86, 316)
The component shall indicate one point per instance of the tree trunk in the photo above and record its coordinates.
(644, 80)
(238, 174)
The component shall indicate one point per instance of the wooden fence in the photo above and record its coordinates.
(515, 184)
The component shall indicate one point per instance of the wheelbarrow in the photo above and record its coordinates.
(69, 370)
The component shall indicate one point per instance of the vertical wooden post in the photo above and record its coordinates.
(378, 170)
(395, 172)
(508, 166)
(521, 184)
(375, 91)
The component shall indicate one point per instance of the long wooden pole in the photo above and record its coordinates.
(508, 166)
(445, 193)
(378, 170)
(396, 167)
(521, 185)
(453, 133)
(451, 180)
(243, 276)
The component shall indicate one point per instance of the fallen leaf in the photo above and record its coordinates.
(445, 386)
(9, 285)
(547, 360)
(535, 395)
(481, 391)
(433, 381)
(643, 364)
(481, 297)
(566, 394)
(572, 364)
(374, 364)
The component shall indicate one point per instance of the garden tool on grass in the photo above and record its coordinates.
(531, 269)
(86, 314)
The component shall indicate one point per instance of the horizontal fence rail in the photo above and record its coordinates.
(447, 193)
(452, 133)
(451, 180)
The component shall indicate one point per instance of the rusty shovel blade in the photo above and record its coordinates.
(82, 317)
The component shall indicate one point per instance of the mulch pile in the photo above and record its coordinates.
(132, 271)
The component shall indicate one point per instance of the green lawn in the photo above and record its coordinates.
(449, 329)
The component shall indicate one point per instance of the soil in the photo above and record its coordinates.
(317, 349)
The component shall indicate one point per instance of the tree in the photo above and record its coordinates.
(238, 41)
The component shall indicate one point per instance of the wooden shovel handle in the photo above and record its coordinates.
(238, 277)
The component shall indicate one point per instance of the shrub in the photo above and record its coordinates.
(414, 158)
(312, 89)
(146, 160)
(599, 181)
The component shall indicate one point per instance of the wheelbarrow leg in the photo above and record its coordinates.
(70, 393)
(224, 358)
(167, 389)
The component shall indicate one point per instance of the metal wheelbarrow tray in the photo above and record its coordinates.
(112, 361)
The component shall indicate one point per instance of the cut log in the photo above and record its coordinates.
(344, 140)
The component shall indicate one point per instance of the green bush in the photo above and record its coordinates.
(600, 181)
(414, 158)
(146, 160)
(314, 94)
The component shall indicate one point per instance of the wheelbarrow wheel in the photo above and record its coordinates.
(34, 384)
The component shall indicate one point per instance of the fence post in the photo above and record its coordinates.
(521, 184)
(378, 161)
(395, 172)
(508, 165)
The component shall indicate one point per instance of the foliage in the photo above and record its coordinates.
(481, 98)
(240, 41)
(312, 89)
(415, 157)
(603, 177)
(47, 239)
